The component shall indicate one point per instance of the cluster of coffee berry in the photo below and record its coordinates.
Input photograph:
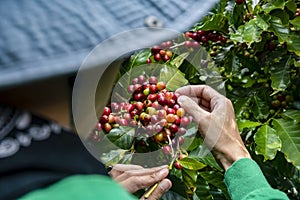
(161, 52)
(281, 101)
(152, 110)
(203, 37)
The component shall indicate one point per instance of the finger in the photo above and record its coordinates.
(119, 169)
(200, 116)
(140, 172)
(135, 183)
(200, 91)
(160, 190)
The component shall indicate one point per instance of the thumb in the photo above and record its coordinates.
(192, 108)
(160, 190)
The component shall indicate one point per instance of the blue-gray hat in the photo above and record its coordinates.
(41, 39)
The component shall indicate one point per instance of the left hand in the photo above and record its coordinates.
(135, 177)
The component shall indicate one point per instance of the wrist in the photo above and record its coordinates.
(226, 159)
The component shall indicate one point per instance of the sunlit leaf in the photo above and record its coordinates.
(247, 124)
(113, 157)
(122, 136)
(296, 23)
(267, 141)
(272, 5)
(280, 74)
(191, 164)
(281, 31)
(293, 115)
(289, 133)
(189, 178)
(293, 43)
(217, 22)
(179, 59)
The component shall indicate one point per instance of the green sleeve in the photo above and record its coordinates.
(87, 187)
(245, 181)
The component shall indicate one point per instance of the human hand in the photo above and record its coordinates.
(135, 177)
(215, 117)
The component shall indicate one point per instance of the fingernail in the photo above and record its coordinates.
(164, 185)
(162, 173)
(182, 99)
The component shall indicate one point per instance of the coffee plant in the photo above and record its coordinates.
(247, 50)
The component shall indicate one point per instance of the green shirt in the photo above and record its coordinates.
(244, 181)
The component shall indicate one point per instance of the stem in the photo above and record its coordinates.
(151, 190)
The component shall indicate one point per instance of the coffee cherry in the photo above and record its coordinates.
(152, 97)
(146, 91)
(98, 126)
(139, 97)
(130, 88)
(161, 114)
(173, 128)
(181, 131)
(107, 127)
(161, 85)
(103, 119)
(159, 137)
(181, 156)
(170, 111)
(157, 57)
(135, 81)
(162, 52)
(239, 2)
(141, 79)
(152, 79)
(149, 61)
(185, 121)
(165, 58)
(180, 140)
(153, 88)
(155, 49)
(280, 97)
(139, 105)
(180, 112)
(169, 53)
(170, 118)
(177, 165)
(167, 150)
(275, 103)
(171, 103)
(106, 111)
(162, 101)
(111, 119)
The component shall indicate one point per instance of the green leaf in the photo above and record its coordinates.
(293, 43)
(281, 31)
(296, 23)
(207, 160)
(261, 23)
(191, 164)
(293, 115)
(248, 33)
(216, 179)
(173, 78)
(273, 4)
(280, 74)
(268, 143)
(282, 15)
(179, 59)
(260, 108)
(289, 133)
(217, 22)
(237, 16)
(202, 191)
(189, 178)
(247, 124)
(113, 157)
(140, 58)
(122, 136)
(291, 5)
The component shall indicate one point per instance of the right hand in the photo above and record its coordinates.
(215, 117)
(135, 177)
